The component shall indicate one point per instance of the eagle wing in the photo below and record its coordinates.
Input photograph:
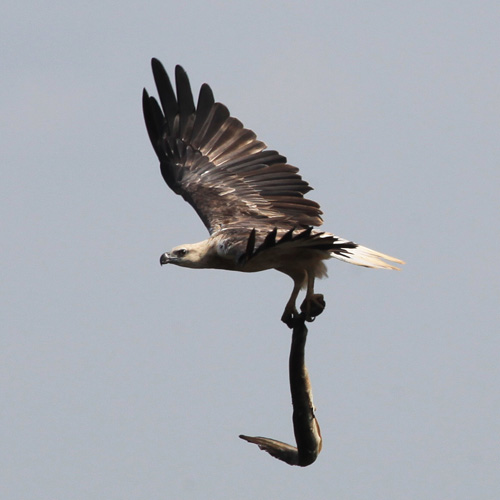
(218, 166)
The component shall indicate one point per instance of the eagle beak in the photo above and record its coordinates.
(164, 259)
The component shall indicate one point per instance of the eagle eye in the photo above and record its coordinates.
(181, 252)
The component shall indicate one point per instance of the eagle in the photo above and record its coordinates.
(249, 198)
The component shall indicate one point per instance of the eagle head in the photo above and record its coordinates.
(189, 255)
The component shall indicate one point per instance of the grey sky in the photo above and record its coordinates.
(121, 379)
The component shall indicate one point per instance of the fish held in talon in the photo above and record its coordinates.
(305, 425)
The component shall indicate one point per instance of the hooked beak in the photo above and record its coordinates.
(164, 259)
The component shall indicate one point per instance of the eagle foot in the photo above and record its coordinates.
(295, 320)
(313, 306)
(290, 318)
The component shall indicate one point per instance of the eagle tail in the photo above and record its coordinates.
(363, 256)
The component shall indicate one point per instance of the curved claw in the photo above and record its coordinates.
(313, 306)
(290, 317)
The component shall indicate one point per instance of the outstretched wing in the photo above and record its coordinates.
(218, 166)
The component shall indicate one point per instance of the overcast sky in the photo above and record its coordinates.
(124, 380)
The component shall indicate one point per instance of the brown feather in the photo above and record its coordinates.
(220, 167)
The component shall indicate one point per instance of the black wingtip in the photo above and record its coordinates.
(145, 106)
(166, 92)
(206, 95)
(157, 67)
(184, 93)
(154, 120)
(180, 71)
(155, 63)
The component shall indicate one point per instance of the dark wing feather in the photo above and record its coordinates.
(218, 166)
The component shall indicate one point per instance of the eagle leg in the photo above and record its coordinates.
(290, 314)
(314, 303)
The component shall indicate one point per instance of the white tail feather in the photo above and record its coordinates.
(362, 256)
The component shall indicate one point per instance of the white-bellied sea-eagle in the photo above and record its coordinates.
(249, 198)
